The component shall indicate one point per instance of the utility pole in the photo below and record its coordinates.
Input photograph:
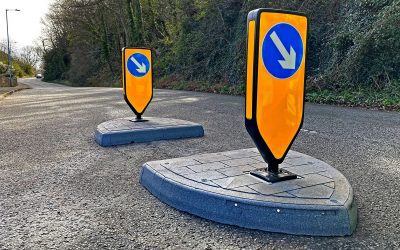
(9, 50)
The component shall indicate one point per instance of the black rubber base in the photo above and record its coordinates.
(139, 120)
(271, 177)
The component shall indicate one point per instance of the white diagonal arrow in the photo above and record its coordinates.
(289, 61)
(141, 68)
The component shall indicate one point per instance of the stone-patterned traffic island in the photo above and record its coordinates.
(218, 187)
(129, 130)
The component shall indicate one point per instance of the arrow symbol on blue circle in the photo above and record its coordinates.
(289, 61)
(141, 68)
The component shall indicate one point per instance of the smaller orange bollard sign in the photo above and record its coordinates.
(137, 78)
(276, 56)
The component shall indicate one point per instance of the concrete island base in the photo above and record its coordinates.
(218, 187)
(128, 130)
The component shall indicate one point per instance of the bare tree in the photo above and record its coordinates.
(30, 55)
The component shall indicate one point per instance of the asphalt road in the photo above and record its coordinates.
(59, 189)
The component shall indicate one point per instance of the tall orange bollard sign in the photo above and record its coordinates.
(276, 58)
(137, 78)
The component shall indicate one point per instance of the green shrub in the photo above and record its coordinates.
(3, 68)
(375, 60)
(17, 70)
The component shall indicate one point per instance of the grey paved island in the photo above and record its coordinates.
(218, 187)
(129, 130)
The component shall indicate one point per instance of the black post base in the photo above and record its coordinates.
(139, 119)
(280, 175)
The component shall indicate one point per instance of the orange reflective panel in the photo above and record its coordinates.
(250, 69)
(280, 84)
(137, 78)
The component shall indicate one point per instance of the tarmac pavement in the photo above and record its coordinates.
(60, 189)
(6, 91)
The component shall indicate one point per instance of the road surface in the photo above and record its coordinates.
(59, 189)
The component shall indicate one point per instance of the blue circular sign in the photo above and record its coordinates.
(138, 65)
(282, 51)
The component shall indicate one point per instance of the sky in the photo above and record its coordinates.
(24, 26)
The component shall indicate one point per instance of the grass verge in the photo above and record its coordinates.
(383, 99)
(218, 88)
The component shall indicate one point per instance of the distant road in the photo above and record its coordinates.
(38, 83)
(59, 189)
